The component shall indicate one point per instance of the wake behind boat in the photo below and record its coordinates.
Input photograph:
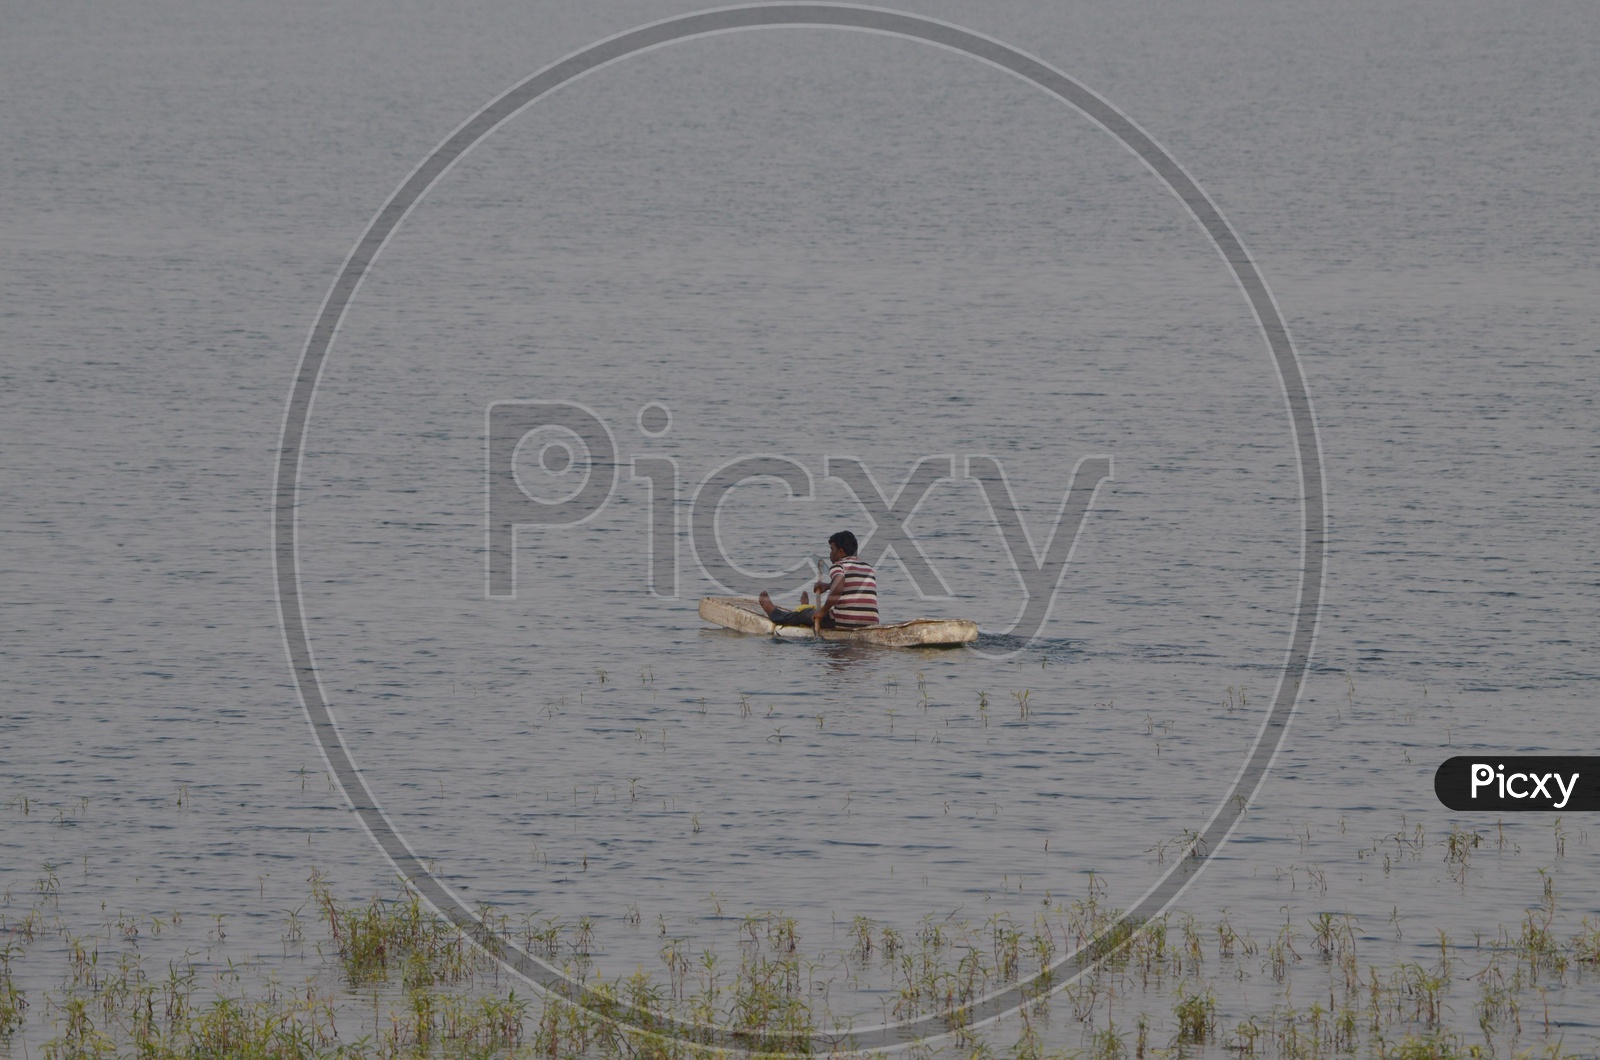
(744, 615)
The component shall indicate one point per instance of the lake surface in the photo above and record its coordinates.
(811, 245)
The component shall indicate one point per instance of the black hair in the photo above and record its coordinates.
(845, 540)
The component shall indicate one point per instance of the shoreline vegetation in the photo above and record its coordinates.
(1315, 977)
(394, 981)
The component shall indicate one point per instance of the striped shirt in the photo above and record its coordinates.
(858, 596)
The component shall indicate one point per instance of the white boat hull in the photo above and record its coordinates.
(744, 615)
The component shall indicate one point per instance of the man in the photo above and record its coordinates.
(850, 595)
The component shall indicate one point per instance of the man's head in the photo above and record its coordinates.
(845, 542)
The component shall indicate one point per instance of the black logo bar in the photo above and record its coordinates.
(1559, 783)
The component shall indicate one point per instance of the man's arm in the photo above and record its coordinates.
(825, 604)
(835, 590)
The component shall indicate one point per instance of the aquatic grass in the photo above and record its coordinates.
(107, 1006)
(1585, 946)
(1423, 989)
(428, 991)
(48, 886)
(1196, 1012)
(1333, 935)
(13, 1002)
(860, 934)
(1006, 946)
(80, 1039)
(1281, 953)
(1459, 845)
(1108, 1044)
(1497, 1001)
(1440, 1045)
(1537, 945)
(1228, 940)
(260, 1030)
(399, 933)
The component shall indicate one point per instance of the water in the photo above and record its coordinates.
(808, 245)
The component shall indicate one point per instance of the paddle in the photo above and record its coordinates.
(816, 616)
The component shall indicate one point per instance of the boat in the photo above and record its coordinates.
(744, 615)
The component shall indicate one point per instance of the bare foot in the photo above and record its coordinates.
(766, 602)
